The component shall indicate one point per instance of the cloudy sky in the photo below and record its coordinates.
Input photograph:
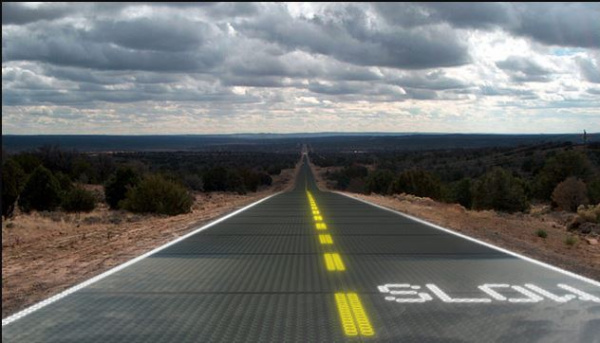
(228, 68)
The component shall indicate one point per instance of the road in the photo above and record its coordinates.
(311, 266)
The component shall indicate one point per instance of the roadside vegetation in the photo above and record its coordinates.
(53, 179)
(506, 179)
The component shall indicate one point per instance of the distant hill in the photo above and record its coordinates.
(357, 141)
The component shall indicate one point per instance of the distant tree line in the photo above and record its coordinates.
(504, 179)
(51, 178)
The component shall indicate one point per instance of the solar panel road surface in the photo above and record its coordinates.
(313, 266)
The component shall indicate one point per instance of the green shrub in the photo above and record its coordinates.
(234, 182)
(41, 192)
(594, 191)
(78, 200)
(379, 181)
(28, 161)
(499, 190)
(274, 169)
(570, 240)
(266, 179)
(560, 167)
(541, 233)
(419, 183)
(117, 185)
(215, 179)
(155, 194)
(569, 194)
(193, 182)
(357, 185)
(460, 192)
(13, 180)
(64, 181)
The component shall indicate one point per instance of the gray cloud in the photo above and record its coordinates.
(477, 15)
(522, 69)
(565, 24)
(589, 69)
(173, 35)
(436, 80)
(504, 91)
(18, 13)
(69, 46)
(349, 38)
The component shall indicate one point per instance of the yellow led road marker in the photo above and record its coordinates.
(329, 262)
(353, 315)
(321, 226)
(318, 218)
(364, 325)
(316, 212)
(334, 262)
(325, 239)
(345, 315)
(339, 265)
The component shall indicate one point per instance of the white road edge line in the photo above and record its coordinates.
(529, 259)
(120, 267)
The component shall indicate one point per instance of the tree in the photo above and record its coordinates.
(569, 194)
(116, 187)
(560, 167)
(193, 181)
(28, 162)
(499, 190)
(251, 179)
(460, 192)
(265, 179)
(379, 181)
(418, 182)
(13, 180)
(235, 182)
(41, 192)
(78, 200)
(274, 169)
(156, 194)
(64, 181)
(215, 179)
(594, 191)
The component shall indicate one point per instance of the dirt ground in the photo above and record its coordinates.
(45, 253)
(515, 232)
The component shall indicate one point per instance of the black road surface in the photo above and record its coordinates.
(312, 266)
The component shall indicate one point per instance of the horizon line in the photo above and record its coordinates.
(303, 133)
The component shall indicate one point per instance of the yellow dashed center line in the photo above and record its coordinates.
(352, 313)
(329, 262)
(333, 262)
(345, 315)
(364, 325)
(325, 239)
(339, 265)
